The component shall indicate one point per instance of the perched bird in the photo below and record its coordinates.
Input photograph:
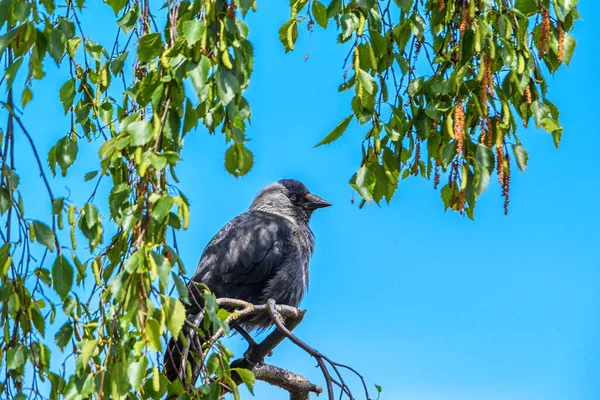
(259, 255)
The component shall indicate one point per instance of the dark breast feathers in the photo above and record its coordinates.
(255, 257)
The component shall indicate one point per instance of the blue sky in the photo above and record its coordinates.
(427, 304)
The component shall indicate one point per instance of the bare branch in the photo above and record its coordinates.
(298, 386)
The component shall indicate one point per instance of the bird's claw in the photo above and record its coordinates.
(248, 357)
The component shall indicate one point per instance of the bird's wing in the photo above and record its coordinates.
(244, 255)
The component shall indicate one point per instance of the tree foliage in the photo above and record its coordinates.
(442, 86)
(439, 86)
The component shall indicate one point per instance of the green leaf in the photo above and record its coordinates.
(182, 290)
(140, 131)
(5, 201)
(66, 153)
(190, 119)
(238, 160)
(337, 132)
(67, 94)
(162, 207)
(64, 335)
(405, 5)
(150, 47)
(366, 80)
(127, 22)
(288, 34)
(116, 5)
(540, 112)
(551, 125)
(527, 7)
(334, 8)
(44, 235)
(521, 156)
(94, 49)
(448, 153)
(364, 182)
(72, 46)
(26, 96)
(198, 73)
(136, 372)
(485, 157)
(556, 135)
(87, 348)
(193, 31)
(58, 205)
(378, 388)
(152, 333)
(415, 86)
(5, 40)
(175, 312)
(567, 5)
(91, 214)
(90, 175)
(11, 72)
(16, 356)
(213, 364)
(320, 13)
(58, 42)
(349, 24)
(247, 377)
(446, 194)
(163, 267)
(484, 167)
(244, 5)
(417, 25)
(116, 65)
(227, 85)
(62, 276)
(38, 321)
(569, 48)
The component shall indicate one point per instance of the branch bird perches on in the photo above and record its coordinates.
(286, 319)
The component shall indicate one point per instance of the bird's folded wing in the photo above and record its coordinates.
(244, 255)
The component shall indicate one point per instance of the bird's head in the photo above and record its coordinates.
(289, 198)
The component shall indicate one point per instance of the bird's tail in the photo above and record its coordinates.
(184, 354)
(183, 357)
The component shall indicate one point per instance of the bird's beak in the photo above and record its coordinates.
(313, 202)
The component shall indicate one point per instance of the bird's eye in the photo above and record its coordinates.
(293, 197)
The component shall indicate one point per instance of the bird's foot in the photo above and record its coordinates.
(246, 336)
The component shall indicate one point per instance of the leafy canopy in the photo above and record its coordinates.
(439, 86)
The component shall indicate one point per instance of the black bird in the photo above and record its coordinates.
(259, 255)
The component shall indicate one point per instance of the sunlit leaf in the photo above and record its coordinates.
(62, 276)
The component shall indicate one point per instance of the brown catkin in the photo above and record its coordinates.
(506, 186)
(415, 169)
(486, 135)
(231, 10)
(460, 205)
(465, 19)
(169, 256)
(561, 41)
(528, 94)
(488, 75)
(500, 164)
(436, 175)
(441, 5)
(544, 33)
(485, 84)
(418, 46)
(459, 126)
